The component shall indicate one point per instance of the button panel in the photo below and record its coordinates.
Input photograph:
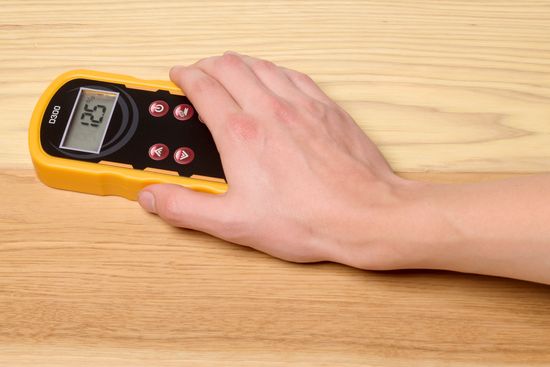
(182, 112)
(143, 117)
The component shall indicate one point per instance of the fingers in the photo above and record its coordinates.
(238, 79)
(284, 82)
(185, 208)
(307, 85)
(273, 77)
(210, 98)
(235, 82)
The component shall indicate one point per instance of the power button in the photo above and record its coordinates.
(158, 108)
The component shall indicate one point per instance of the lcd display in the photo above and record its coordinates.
(89, 120)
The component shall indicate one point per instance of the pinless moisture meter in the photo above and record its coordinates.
(109, 134)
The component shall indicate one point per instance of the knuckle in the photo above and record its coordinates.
(338, 113)
(301, 77)
(242, 125)
(315, 108)
(282, 110)
(264, 66)
(228, 61)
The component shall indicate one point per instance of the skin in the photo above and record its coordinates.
(306, 184)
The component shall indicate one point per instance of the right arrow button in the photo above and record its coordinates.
(184, 155)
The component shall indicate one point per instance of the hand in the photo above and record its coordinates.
(305, 183)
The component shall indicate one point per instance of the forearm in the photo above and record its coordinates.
(496, 228)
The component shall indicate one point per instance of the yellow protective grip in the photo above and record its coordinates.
(94, 178)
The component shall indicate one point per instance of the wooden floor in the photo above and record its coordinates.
(452, 91)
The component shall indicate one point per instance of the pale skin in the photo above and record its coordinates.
(306, 184)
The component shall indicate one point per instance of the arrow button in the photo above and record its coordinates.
(158, 152)
(184, 155)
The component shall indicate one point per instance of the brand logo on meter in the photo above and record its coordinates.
(54, 114)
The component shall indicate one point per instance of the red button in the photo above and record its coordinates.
(158, 152)
(183, 112)
(184, 155)
(158, 108)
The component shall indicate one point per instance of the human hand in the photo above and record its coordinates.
(305, 183)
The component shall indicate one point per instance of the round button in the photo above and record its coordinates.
(158, 108)
(184, 155)
(183, 112)
(158, 152)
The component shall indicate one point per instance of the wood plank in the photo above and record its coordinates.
(104, 283)
(443, 86)
(451, 91)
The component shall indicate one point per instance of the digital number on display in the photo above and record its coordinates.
(90, 118)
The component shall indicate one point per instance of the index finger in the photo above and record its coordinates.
(212, 101)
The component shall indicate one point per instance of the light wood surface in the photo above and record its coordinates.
(452, 91)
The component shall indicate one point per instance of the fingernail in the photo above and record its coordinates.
(229, 52)
(147, 201)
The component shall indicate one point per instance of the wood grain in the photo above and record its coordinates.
(103, 283)
(440, 85)
(452, 91)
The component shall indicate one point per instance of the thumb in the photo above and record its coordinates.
(183, 207)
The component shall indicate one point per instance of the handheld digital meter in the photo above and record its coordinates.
(109, 134)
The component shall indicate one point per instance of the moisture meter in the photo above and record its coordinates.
(109, 134)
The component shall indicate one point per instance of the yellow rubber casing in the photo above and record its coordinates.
(96, 178)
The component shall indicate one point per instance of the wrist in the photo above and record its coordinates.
(405, 229)
(423, 232)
